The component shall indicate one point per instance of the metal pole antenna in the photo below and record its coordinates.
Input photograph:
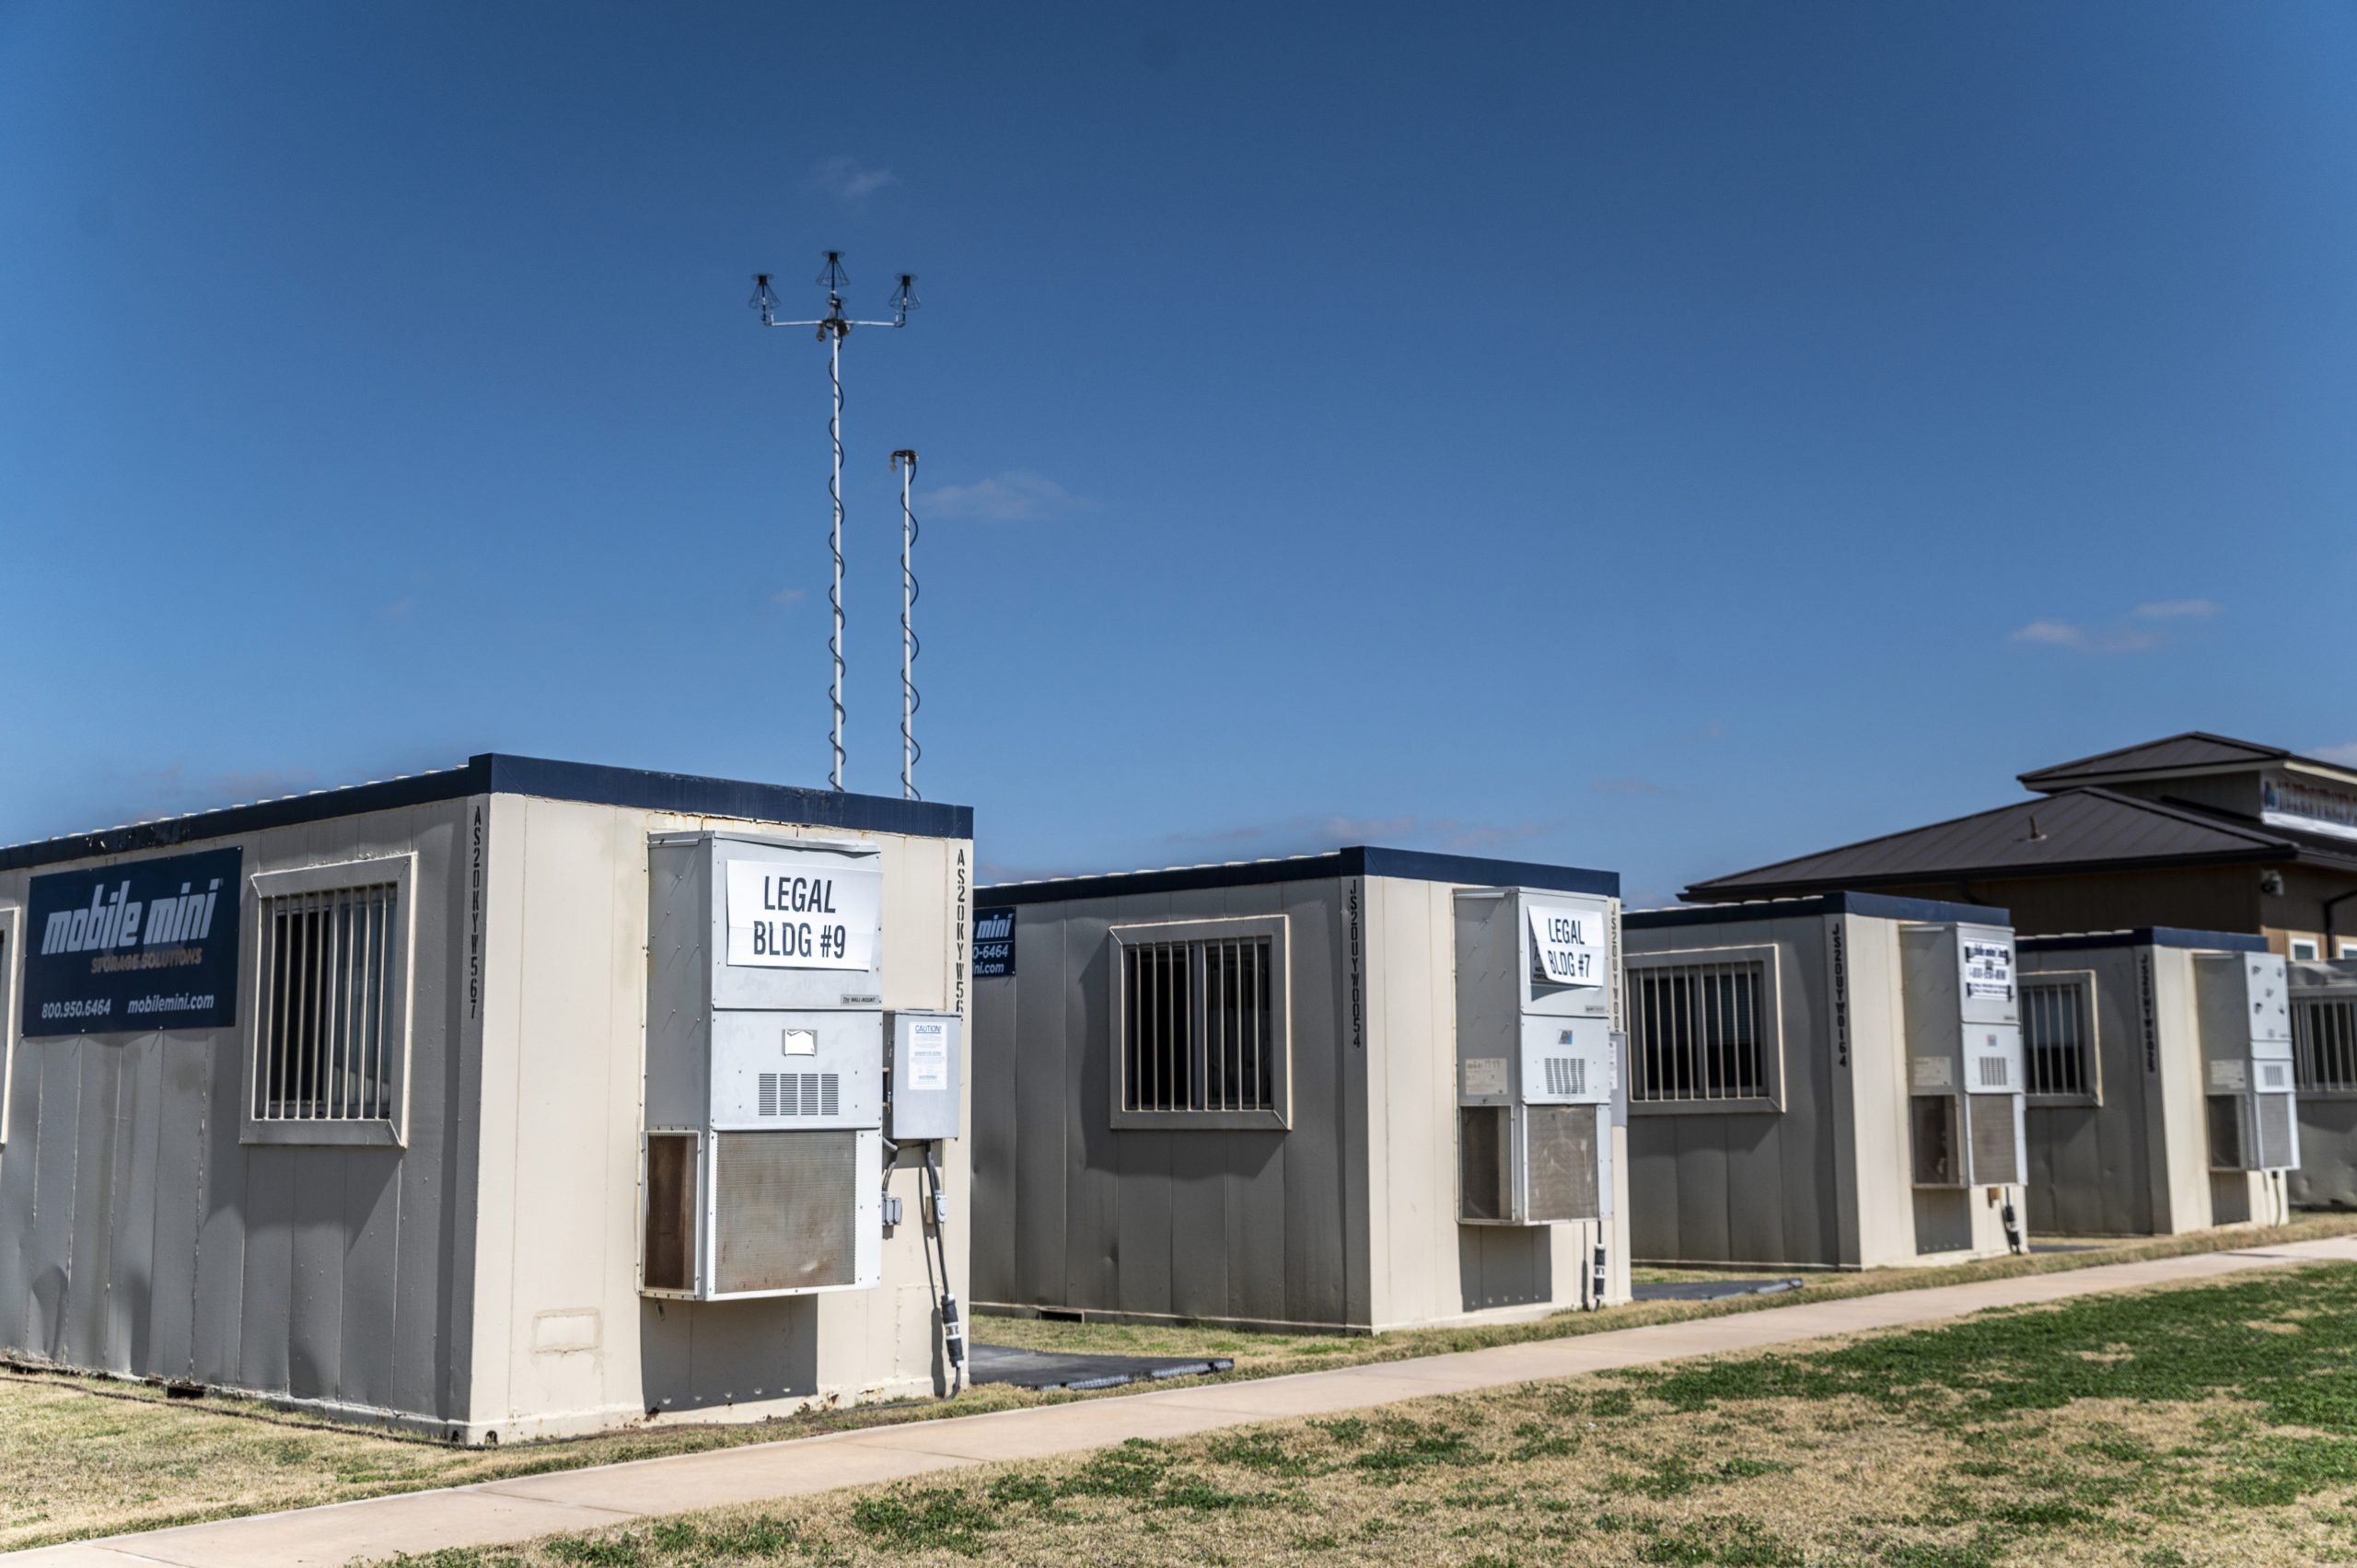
(905, 462)
(833, 328)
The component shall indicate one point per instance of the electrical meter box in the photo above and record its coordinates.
(2244, 1004)
(1537, 1069)
(762, 1166)
(928, 1076)
(1965, 1072)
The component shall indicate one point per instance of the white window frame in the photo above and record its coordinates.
(2083, 982)
(12, 989)
(2347, 947)
(1768, 956)
(2303, 1050)
(1270, 928)
(382, 1132)
(2315, 947)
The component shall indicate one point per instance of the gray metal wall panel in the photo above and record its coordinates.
(315, 1359)
(1226, 1224)
(2328, 1175)
(992, 1065)
(2092, 1164)
(216, 1349)
(50, 1222)
(265, 1347)
(179, 1151)
(1748, 1187)
(96, 1133)
(130, 1263)
(19, 1161)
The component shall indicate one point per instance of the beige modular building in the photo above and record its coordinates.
(1354, 1091)
(2161, 1085)
(2323, 1033)
(1829, 1082)
(517, 1099)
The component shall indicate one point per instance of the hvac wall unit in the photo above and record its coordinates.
(1537, 1071)
(2244, 1002)
(764, 1155)
(1964, 1047)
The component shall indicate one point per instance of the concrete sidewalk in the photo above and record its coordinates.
(506, 1511)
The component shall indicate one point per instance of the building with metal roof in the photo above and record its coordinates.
(2198, 831)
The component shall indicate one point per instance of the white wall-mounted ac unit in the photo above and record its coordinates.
(1965, 1073)
(2243, 1001)
(1538, 1070)
(762, 1161)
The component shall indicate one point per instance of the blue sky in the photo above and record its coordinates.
(1663, 437)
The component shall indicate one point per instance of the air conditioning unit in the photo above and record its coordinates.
(1964, 1069)
(762, 1158)
(2243, 1001)
(1537, 1069)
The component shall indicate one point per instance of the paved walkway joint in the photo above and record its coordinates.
(504, 1512)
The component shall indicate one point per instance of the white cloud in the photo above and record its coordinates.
(2085, 639)
(1016, 496)
(2178, 609)
(2345, 753)
(849, 179)
(786, 598)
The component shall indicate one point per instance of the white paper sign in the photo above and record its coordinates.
(1935, 1072)
(803, 914)
(1485, 1074)
(1566, 945)
(928, 1054)
(2228, 1075)
(1988, 970)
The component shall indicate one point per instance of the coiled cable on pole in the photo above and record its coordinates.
(905, 462)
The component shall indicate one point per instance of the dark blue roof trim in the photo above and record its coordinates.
(496, 774)
(2147, 937)
(1873, 906)
(1408, 864)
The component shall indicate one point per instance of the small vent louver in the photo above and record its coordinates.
(2275, 1076)
(1566, 1075)
(1992, 1072)
(801, 1093)
(1996, 1153)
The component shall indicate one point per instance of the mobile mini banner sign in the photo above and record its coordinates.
(801, 915)
(1566, 945)
(994, 944)
(147, 945)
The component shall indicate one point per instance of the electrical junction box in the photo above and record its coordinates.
(762, 1162)
(928, 1076)
(2243, 1002)
(1965, 1072)
(1537, 1063)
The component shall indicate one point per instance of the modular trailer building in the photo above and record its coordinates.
(2160, 1081)
(1822, 1083)
(1329, 1092)
(336, 1101)
(2324, 1031)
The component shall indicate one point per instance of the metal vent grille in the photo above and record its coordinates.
(1563, 1158)
(2275, 1075)
(1996, 1153)
(2058, 1035)
(786, 1209)
(801, 1093)
(1482, 1161)
(323, 1051)
(1566, 1075)
(2274, 1133)
(2324, 1035)
(1992, 1073)
(1697, 1031)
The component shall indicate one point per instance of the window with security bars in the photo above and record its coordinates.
(2324, 1044)
(1200, 1024)
(330, 1014)
(2058, 1036)
(1699, 1031)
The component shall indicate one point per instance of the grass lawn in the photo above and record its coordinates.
(84, 1457)
(2206, 1424)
